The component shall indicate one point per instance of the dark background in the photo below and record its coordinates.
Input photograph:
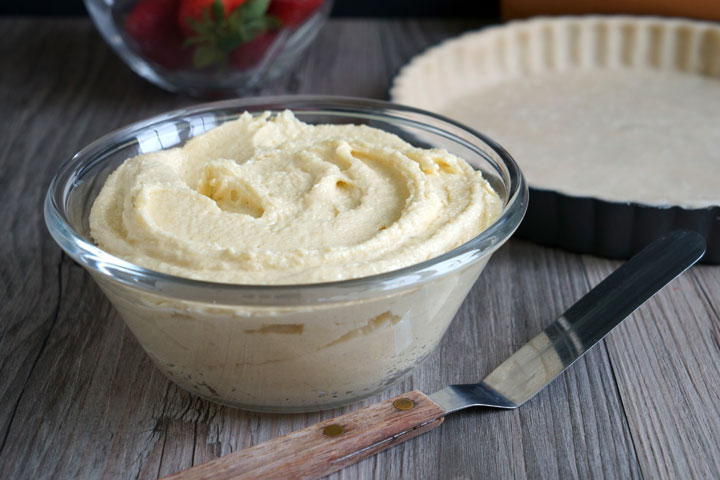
(341, 8)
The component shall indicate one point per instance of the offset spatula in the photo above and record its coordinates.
(334, 444)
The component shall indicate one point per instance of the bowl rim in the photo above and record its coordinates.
(90, 255)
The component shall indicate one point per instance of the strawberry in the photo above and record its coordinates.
(151, 24)
(221, 29)
(293, 12)
(193, 11)
(249, 55)
(149, 15)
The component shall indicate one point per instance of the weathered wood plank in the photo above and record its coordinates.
(667, 363)
(60, 363)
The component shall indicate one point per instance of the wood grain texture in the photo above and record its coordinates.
(667, 359)
(328, 446)
(80, 399)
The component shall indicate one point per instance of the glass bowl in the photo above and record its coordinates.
(288, 347)
(210, 48)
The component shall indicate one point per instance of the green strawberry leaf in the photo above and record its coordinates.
(230, 41)
(217, 34)
(235, 16)
(198, 26)
(218, 10)
(255, 8)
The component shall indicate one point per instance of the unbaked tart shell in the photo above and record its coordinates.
(459, 68)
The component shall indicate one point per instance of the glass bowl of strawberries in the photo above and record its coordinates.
(209, 48)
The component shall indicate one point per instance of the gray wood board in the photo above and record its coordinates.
(80, 399)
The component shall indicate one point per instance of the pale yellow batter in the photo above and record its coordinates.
(273, 200)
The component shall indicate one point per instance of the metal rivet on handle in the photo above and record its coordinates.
(403, 404)
(334, 430)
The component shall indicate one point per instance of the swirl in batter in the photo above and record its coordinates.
(272, 200)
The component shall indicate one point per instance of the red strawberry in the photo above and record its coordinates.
(193, 10)
(224, 26)
(151, 24)
(293, 12)
(249, 55)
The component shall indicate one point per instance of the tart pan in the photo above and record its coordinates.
(582, 224)
(611, 229)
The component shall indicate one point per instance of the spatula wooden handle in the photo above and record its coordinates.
(327, 446)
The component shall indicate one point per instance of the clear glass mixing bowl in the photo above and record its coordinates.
(252, 44)
(284, 348)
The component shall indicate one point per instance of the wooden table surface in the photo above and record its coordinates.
(80, 399)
